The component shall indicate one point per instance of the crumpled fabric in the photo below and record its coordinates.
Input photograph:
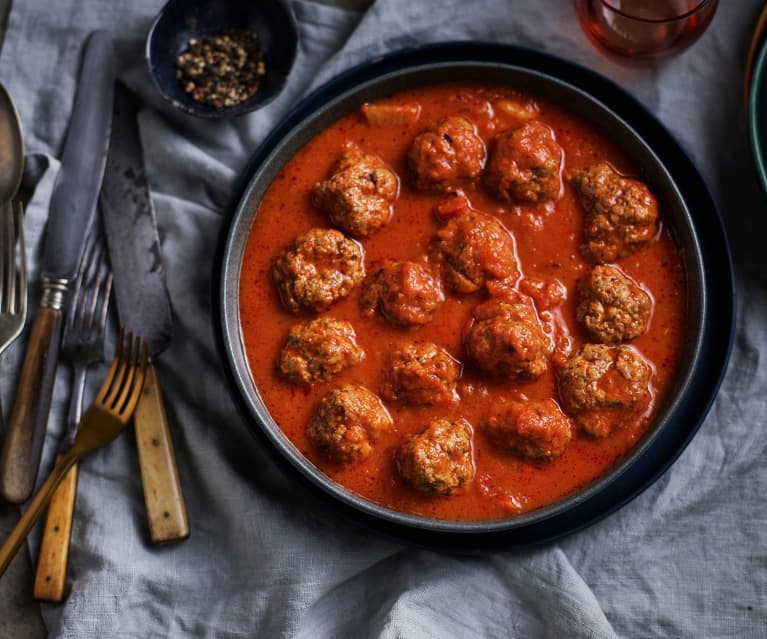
(687, 558)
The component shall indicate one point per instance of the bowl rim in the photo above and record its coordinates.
(403, 63)
(220, 113)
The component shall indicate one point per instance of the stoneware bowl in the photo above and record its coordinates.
(663, 165)
(180, 20)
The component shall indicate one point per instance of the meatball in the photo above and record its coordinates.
(505, 338)
(525, 164)
(421, 373)
(320, 267)
(359, 196)
(317, 350)
(621, 213)
(348, 421)
(537, 430)
(438, 460)
(446, 155)
(475, 248)
(405, 293)
(604, 387)
(611, 306)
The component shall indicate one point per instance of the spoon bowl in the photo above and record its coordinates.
(11, 148)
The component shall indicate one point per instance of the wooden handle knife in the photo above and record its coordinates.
(51, 575)
(23, 444)
(164, 500)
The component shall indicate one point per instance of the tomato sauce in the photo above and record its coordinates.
(548, 237)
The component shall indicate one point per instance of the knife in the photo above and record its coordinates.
(71, 213)
(142, 304)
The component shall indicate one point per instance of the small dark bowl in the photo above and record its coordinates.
(179, 20)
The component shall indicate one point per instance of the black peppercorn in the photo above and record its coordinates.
(221, 70)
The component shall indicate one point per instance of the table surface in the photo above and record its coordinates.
(19, 612)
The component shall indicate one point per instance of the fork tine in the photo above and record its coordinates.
(116, 361)
(9, 257)
(101, 316)
(74, 318)
(20, 290)
(94, 287)
(132, 394)
(114, 392)
(127, 386)
(100, 286)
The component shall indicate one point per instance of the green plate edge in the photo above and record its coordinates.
(756, 127)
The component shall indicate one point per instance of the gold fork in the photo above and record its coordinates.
(104, 420)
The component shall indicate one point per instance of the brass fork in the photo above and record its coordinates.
(104, 420)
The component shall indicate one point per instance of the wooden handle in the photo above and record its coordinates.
(23, 444)
(51, 577)
(162, 489)
(34, 510)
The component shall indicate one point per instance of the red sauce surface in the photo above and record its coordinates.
(548, 238)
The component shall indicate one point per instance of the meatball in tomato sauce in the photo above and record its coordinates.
(475, 248)
(621, 213)
(505, 338)
(359, 195)
(612, 307)
(439, 460)
(404, 293)
(603, 387)
(316, 351)
(348, 422)
(319, 268)
(447, 155)
(535, 430)
(421, 373)
(525, 164)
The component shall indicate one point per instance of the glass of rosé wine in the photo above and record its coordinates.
(640, 31)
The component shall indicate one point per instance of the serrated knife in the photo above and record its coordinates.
(142, 304)
(71, 214)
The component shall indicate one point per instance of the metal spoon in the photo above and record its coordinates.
(11, 148)
(11, 163)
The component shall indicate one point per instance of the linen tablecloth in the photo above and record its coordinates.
(687, 558)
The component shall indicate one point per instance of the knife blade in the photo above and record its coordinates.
(71, 214)
(143, 304)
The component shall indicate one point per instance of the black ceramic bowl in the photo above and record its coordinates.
(180, 20)
(688, 209)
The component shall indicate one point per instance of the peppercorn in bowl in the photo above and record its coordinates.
(222, 59)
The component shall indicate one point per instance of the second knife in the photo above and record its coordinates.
(142, 304)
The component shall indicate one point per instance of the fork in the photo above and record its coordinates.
(82, 346)
(104, 420)
(13, 273)
(13, 277)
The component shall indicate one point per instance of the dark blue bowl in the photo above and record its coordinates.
(179, 20)
(692, 216)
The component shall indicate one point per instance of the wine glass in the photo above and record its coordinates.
(641, 31)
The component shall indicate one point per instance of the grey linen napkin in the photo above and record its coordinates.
(686, 558)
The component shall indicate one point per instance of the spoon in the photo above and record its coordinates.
(11, 161)
(11, 148)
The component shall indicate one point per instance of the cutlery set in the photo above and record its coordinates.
(101, 158)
